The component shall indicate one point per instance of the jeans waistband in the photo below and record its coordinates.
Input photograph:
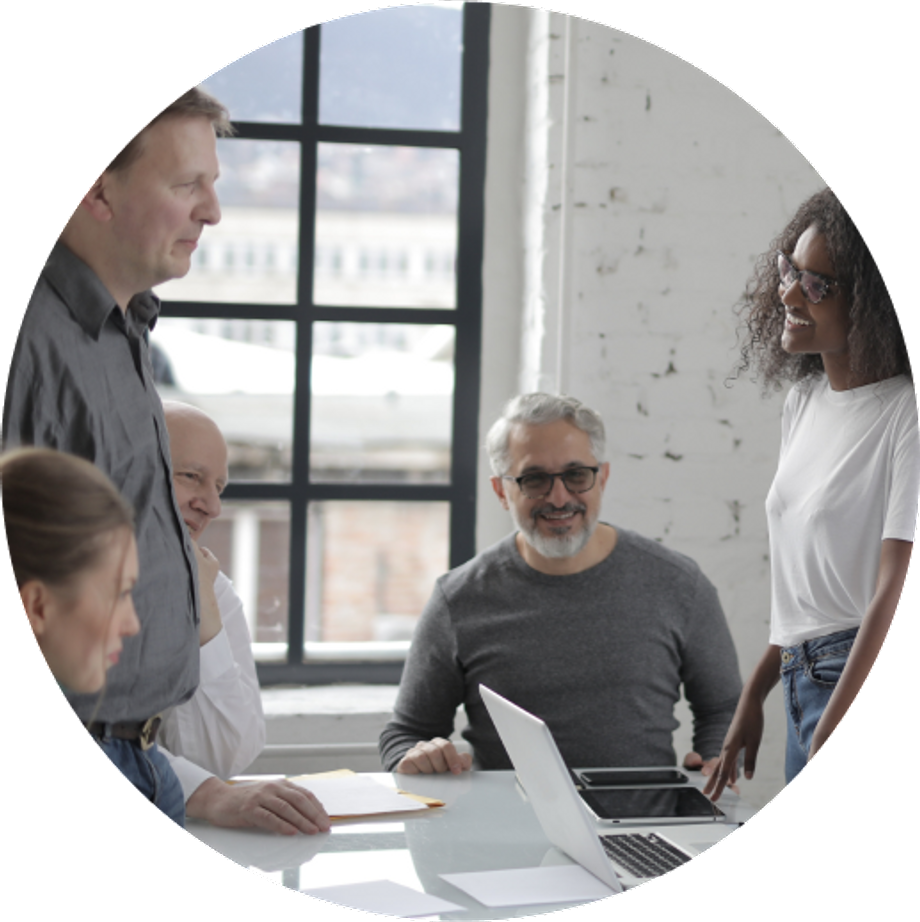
(801, 654)
(144, 732)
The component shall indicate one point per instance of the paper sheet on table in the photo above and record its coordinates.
(562, 883)
(384, 896)
(347, 795)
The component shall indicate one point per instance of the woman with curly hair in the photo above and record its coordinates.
(843, 505)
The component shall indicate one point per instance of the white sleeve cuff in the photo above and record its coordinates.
(190, 776)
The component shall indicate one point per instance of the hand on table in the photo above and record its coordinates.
(694, 762)
(433, 756)
(279, 806)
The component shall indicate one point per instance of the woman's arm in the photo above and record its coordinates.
(746, 730)
(892, 570)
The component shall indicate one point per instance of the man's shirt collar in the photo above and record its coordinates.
(88, 300)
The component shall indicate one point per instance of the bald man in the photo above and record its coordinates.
(221, 730)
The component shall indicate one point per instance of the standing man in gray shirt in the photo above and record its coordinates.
(81, 381)
(593, 628)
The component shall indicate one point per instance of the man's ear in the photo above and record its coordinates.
(96, 201)
(498, 485)
(603, 474)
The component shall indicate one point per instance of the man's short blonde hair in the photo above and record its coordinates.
(195, 103)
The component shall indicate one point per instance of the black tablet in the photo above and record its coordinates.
(648, 805)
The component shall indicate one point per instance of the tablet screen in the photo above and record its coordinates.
(650, 803)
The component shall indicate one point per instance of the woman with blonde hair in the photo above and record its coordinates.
(71, 540)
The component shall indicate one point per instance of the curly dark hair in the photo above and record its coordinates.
(876, 344)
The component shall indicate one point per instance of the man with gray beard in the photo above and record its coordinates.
(593, 628)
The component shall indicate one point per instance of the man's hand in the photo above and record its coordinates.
(210, 623)
(437, 755)
(694, 762)
(279, 806)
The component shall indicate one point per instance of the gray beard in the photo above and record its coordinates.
(556, 547)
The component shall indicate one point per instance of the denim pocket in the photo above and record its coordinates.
(827, 669)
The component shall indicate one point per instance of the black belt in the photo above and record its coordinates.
(144, 731)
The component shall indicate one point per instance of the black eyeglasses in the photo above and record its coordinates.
(815, 287)
(540, 484)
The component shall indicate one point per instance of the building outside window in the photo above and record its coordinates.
(331, 326)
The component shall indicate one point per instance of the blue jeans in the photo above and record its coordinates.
(150, 772)
(810, 672)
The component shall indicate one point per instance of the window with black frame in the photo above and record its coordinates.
(331, 326)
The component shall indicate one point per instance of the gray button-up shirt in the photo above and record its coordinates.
(81, 381)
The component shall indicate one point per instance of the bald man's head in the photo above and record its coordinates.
(199, 461)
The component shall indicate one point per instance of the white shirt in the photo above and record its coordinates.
(221, 729)
(848, 478)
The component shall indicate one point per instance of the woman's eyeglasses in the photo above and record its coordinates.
(815, 287)
(539, 484)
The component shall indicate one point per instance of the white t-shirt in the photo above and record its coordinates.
(848, 477)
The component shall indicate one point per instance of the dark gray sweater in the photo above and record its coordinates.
(599, 655)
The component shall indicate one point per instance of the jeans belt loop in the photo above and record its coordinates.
(148, 732)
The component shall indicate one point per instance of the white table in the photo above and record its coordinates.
(486, 824)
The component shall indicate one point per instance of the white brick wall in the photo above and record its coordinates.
(639, 228)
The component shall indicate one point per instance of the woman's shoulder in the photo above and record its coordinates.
(893, 398)
(900, 390)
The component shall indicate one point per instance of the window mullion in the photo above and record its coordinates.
(301, 416)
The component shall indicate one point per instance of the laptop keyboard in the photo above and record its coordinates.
(643, 854)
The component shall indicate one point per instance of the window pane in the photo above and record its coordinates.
(252, 541)
(264, 86)
(395, 68)
(382, 403)
(251, 256)
(386, 226)
(371, 567)
(241, 373)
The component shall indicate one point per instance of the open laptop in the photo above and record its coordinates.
(620, 860)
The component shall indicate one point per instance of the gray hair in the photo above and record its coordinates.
(537, 410)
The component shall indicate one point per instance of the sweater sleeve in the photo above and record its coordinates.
(709, 670)
(431, 688)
